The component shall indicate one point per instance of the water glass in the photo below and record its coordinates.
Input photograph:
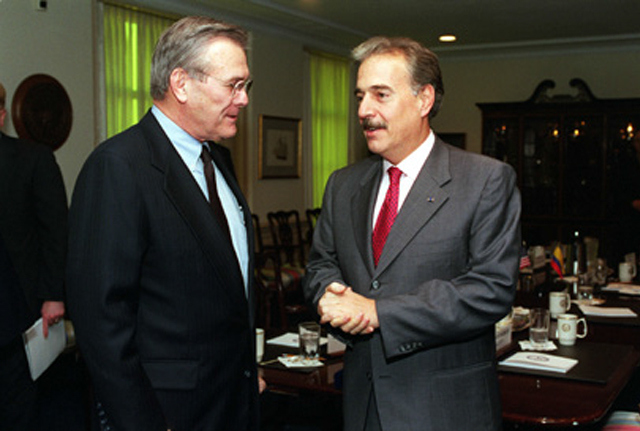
(309, 333)
(539, 330)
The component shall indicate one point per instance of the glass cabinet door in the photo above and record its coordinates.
(501, 140)
(622, 163)
(540, 161)
(583, 167)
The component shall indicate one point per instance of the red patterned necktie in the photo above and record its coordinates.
(387, 214)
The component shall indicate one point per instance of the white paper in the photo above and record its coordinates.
(41, 352)
(290, 339)
(591, 310)
(540, 361)
(625, 288)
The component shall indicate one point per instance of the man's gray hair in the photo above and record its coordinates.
(423, 64)
(182, 46)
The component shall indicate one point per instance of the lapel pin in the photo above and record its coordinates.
(430, 199)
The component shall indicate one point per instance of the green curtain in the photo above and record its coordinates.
(130, 37)
(329, 76)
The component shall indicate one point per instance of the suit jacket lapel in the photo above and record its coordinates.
(184, 192)
(362, 210)
(424, 199)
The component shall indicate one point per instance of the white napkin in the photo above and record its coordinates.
(547, 347)
(297, 361)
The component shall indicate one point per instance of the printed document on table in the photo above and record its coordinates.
(590, 310)
(623, 288)
(41, 352)
(540, 361)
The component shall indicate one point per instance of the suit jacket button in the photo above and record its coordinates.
(247, 373)
(375, 285)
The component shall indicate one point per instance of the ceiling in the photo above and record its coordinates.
(480, 25)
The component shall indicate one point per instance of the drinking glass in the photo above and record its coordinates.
(539, 330)
(309, 333)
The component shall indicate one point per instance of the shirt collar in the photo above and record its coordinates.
(413, 163)
(186, 145)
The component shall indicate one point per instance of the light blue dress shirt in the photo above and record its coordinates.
(189, 150)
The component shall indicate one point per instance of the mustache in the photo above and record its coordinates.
(369, 123)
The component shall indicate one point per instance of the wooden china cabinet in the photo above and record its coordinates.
(567, 151)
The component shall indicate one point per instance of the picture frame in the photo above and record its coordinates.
(280, 147)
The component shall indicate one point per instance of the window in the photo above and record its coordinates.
(130, 37)
(330, 95)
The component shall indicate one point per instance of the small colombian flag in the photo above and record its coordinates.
(557, 261)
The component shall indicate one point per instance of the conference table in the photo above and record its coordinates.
(608, 358)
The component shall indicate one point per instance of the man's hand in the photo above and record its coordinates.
(342, 308)
(52, 312)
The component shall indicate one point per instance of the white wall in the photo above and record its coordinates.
(57, 42)
(277, 66)
(467, 82)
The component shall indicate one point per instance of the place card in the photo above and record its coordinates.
(540, 361)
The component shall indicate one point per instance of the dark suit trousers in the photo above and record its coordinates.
(18, 396)
(372, 422)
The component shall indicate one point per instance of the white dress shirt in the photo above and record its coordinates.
(410, 167)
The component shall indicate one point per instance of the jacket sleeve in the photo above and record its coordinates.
(106, 247)
(50, 207)
(440, 311)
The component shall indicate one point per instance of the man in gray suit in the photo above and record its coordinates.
(160, 275)
(416, 301)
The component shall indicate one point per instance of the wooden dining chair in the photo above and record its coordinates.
(286, 233)
(312, 219)
(276, 296)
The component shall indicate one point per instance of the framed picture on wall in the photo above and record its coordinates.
(280, 147)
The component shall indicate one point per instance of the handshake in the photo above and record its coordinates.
(343, 308)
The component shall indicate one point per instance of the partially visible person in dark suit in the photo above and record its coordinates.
(17, 390)
(33, 230)
(415, 257)
(159, 276)
(33, 221)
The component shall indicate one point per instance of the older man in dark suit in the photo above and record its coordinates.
(415, 257)
(159, 274)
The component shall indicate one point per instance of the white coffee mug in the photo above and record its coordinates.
(259, 344)
(568, 329)
(559, 302)
(626, 272)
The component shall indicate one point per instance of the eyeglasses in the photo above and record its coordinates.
(236, 87)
